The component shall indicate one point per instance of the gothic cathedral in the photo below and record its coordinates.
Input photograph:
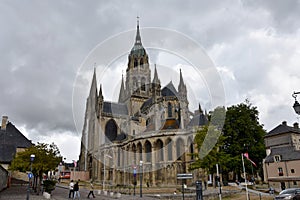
(150, 129)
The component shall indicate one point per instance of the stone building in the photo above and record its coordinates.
(150, 129)
(282, 164)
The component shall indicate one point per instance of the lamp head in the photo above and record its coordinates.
(296, 107)
(32, 156)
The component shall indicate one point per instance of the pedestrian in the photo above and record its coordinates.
(91, 190)
(271, 190)
(76, 190)
(71, 189)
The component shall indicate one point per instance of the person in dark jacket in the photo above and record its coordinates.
(76, 190)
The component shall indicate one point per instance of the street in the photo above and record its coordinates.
(19, 192)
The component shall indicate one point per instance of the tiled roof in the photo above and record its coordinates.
(10, 139)
(115, 108)
(7, 153)
(286, 154)
(282, 128)
(169, 91)
(146, 104)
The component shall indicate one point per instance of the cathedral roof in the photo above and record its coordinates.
(198, 120)
(115, 108)
(169, 90)
(146, 104)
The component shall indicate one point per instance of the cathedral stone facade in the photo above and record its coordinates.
(149, 131)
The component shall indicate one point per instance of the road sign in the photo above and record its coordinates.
(30, 175)
(184, 176)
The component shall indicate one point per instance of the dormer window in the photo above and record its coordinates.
(277, 158)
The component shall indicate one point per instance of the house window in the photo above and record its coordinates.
(277, 158)
(133, 132)
(280, 171)
(292, 171)
(295, 182)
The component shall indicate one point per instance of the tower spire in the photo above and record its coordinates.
(138, 35)
(122, 91)
(181, 83)
(155, 78)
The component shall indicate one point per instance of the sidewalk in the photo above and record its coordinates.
(18, 192)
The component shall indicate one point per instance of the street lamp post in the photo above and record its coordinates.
(296, 105)
(141, 178)
(30, 175)
(104, 170)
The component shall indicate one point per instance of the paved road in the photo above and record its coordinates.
(19, 192)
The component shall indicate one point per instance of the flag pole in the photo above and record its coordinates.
(245, 177)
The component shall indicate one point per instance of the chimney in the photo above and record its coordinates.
(284, 123)
(296, 125)
(4, 122)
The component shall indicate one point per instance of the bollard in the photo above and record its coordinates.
(199, 195)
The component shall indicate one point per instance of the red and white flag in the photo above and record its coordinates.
(247, 156)
(75, 163)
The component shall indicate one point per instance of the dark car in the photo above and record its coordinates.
(291, 193)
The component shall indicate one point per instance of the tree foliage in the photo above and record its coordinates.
(241, 133)
(208, 141)
(47, 157)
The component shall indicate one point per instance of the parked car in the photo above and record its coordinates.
(291, 193)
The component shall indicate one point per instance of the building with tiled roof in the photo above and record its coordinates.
(149, 123)
(11, 141)
(282, 163)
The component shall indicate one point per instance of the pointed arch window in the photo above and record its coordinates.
(135, 63)
(143, 83)
(160, 151)
(148, 148)
(192, 150)
(169, 110)
(111, 131)
(180, 149)
(169, 145)
(140, 151)
(135, 83)
(142, 63)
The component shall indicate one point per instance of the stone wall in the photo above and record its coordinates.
(3, 178)
(80, 175)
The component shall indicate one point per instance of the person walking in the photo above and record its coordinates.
(91, 190)
(71, 189)
(76, 190)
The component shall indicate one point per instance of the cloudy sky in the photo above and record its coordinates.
(254, 45)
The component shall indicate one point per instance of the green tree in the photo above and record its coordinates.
(240, 133)
(243, 133)
(208, 140)
(47, 157)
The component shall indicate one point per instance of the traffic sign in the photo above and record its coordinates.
(184, 176)
(30, 175)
